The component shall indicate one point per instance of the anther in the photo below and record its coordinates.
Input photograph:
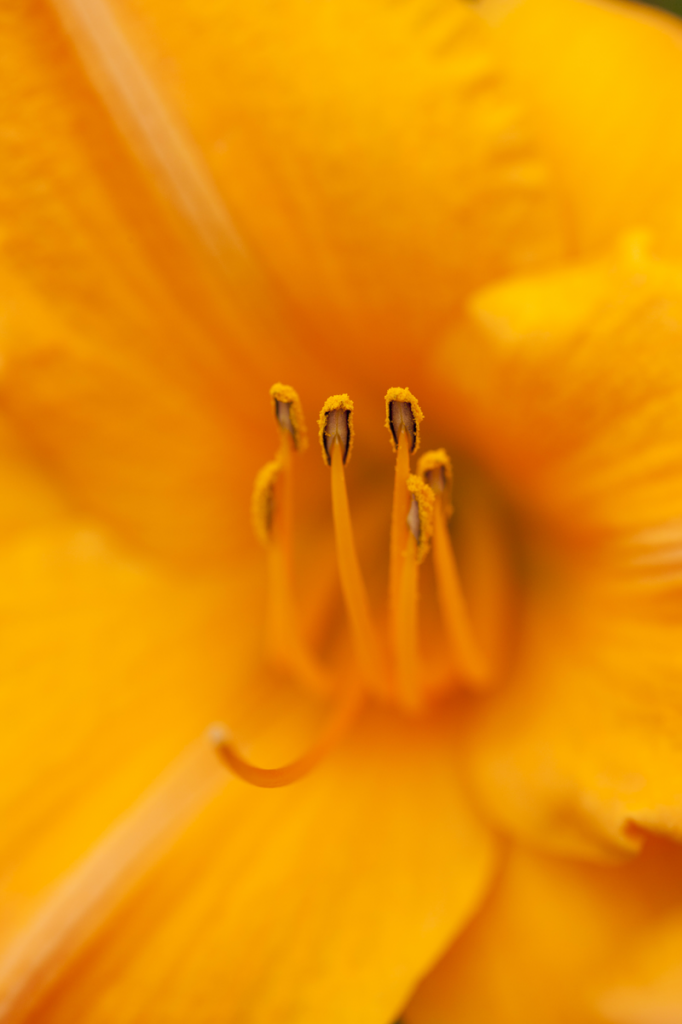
(336, 427)
(435, 469)
(420, 515)
(263, 501)
(403, 415)
(289, 414)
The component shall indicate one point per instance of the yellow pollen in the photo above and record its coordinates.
(289, 414)
(335, 426)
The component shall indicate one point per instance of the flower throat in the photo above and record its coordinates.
(387, 665)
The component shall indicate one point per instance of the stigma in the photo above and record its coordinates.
(388, 660)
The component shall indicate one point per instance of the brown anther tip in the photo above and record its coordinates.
(403, 414)
(289, 414)
(335, 425)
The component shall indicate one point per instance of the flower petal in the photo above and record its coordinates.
(604, 83)
(369, 152)
(551, 930)
(323, 901)
(647, 987)
(115, 361)
(108, 667)
(568, 383)
(582, 744)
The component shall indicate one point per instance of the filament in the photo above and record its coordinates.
(468, 662)
(274, 523)
(399, 513)
(352, 583)
(405, 631)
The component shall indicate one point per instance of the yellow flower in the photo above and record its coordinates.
(198, 200)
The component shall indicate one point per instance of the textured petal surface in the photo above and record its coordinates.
(584, 739)
(569, 385)
(270, 906)
(604, 83)
(372, 161)
(369, 151)
(108, 668)
(539, 950)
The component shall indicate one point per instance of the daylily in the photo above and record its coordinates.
(483, 203)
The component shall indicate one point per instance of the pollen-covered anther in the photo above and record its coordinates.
(336, 427)
(289, 414)
(435, 469)
(420, 515)
(263, 500)
(403, 414)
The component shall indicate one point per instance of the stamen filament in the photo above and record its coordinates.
(352, 583)
(399, 512)
(275, 778)
(405, 631)
(468, 661)
(273, 513)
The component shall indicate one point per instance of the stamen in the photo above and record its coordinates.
(274, 778)
(468, 661)
(435, 469)
(336, 438)
(404, 613)
(272, 517)
(289, 414)
(263, 501)
(420, 516)
(76, 910)
(403, 419)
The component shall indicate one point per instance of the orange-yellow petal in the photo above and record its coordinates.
(567, 384)
(645, 985)
(603, 81)
(369, 152)
(582, 744)
(324, 901)
(551, 931)
(108, 666)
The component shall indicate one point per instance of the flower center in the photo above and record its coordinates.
(387, 663)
